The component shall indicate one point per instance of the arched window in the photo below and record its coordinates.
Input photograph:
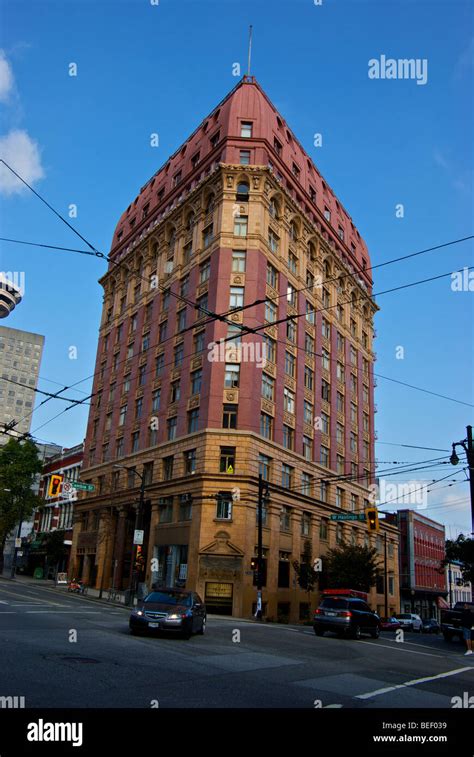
(273, 208)
(242, 192)
(293, 231)
(209, 204)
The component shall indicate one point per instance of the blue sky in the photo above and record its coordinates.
(146, 68)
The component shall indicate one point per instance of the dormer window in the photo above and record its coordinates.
(246, 129)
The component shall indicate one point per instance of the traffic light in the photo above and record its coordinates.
(372, 518)
(254, 563)
(55, 485)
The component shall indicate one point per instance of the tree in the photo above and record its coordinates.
(462, 551)
(350, 566)
(19, 466)
(304, 570)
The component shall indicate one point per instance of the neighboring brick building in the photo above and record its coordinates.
(422, 548)
(58, 512)
(238, 214)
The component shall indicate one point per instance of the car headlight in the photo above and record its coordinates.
(138, 612)
(174, 616)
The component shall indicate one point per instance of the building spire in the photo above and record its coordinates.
(250, 50)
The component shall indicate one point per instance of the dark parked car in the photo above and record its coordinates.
(430, 625)
(346, 616)
(390, 624)
(174, 610)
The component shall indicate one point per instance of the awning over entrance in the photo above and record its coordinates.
(442, 604)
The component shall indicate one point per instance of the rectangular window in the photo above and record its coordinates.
(240, 226)
(122, 415)
(246, 128)
(232, 376)
(190, 461)
(325, 390)
(138, 407)
(288, 400)
(244, 157)
(229, 416)
(264, 466)
(308, 412)
(309, 345)
(162, 331)
(323, 529)
(340, 402)
(198, 342)
(325, 359)
(168, 468)
(324, 491)
(325, 329)
(305, 524)
(175, 391)
(193, 420)
(310, 313)
(291, 295)
(291, 331)
(238, 261)
(270, 312)
(268, 387)
(178, 354)
(270, 348)
(339, 497)
(273, 241)
(159, 364)
(224, 506)
(290, 364)
(196, 381)
(155, 400)
(272, 276)
(293, 264)
(207, 235)
(165, 508)
(227, 460)
(307, 448)
(204, 271)
(285, 519)
(119, 447)
(171, 425)
(324, 456)
(288, 437)
(339, 371)
(185, 506)
(308, 378)
(266, 426)
(135, 441)
(236, 298)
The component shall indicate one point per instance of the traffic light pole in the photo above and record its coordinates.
(468, 447)
(262, 491)
(138, 525)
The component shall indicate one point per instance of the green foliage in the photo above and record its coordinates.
(19, 466)
(306, 576)
(55, 547)
(461, 550)
(350, 566)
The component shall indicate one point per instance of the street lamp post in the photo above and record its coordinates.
(468, 448)
(138, 526)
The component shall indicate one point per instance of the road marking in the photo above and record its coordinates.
(415, 644)
(70, 612)
(2, 602)
(8, 612)
(397, 649)
(28, 596)
(416, 681)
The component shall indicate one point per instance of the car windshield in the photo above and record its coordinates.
(334, 604)
(169, 598)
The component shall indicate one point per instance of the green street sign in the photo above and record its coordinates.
(82, 486)
(348, 516)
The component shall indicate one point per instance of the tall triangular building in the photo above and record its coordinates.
(236, 340)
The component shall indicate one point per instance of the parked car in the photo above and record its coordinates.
(346, 616)
(430, 625)
(390, 624)
(175, 610)
(451, 620)
(410, 621)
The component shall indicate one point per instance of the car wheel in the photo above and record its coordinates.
(319, 632)
(203, 627)
(356, 632)
(375, 633)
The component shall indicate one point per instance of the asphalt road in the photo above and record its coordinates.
(60, 650)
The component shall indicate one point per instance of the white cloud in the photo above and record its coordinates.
(23, 155)
(6, 78)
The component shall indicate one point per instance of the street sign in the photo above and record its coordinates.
(138, 536)
(82, 486)
(17, 543)
(347, 516)
(67, 488)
